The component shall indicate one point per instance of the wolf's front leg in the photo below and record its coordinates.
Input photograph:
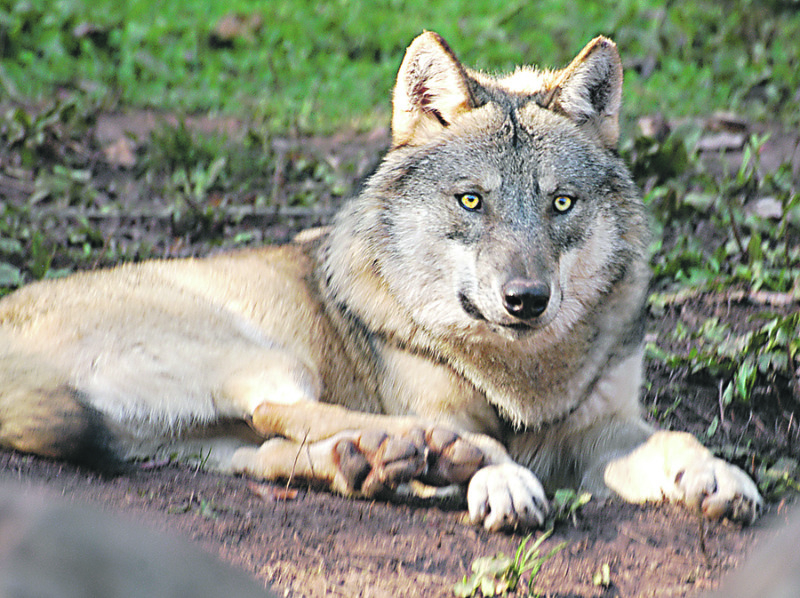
(506, 496)
(675, 466)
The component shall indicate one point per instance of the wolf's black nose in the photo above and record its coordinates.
(525, 299)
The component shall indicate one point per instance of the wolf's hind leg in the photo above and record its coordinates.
(353, 463)
(41, 413)
(359, 453)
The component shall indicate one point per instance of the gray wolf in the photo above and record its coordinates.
(473, 317)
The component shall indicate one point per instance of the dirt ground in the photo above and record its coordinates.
(314, 544)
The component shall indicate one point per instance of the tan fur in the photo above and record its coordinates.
(415, 339)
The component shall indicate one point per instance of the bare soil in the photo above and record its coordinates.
(315, 544)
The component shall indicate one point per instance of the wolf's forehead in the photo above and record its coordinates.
(524, 81)
(547, 148)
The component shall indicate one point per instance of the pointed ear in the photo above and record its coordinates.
(431, 90)
(589, 90)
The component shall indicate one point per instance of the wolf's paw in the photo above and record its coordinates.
(369, 462)
(506, 496)
(676, 466)
(451, 459)
(719, 489)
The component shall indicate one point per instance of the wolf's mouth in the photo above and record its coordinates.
(469, 307)
(517, 326)
(472, 311)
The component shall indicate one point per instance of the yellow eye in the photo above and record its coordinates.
(470, 201)
(563, 203)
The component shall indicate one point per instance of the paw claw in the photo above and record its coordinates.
(718, 489)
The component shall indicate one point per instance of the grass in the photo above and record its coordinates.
(319, 66)
(500, 575)
(740, 250)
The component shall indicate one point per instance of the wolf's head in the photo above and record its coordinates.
(502, 207)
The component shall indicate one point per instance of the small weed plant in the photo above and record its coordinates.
(749, 251)
(566, 504)
(500, 574)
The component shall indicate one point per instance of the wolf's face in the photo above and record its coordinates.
(510, 218)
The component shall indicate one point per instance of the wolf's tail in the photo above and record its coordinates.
(41, 413)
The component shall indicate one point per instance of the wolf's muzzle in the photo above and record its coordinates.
(525, 299)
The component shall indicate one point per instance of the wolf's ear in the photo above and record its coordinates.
(589, 90)
(430, 92)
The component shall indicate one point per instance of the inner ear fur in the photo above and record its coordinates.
(431, 90)
(589, 90)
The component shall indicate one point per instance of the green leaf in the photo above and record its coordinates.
(712, 428)
(603, 576)
(10, 276)
(466, 587)
(10, 246)
(488, 587)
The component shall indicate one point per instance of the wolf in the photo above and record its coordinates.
(473, 317)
